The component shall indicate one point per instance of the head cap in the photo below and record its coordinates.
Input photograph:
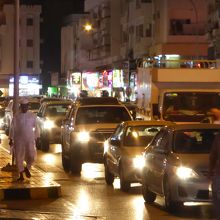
(24, 101)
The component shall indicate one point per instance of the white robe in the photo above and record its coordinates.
(24, 132)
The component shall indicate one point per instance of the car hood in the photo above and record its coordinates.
(194, 161)
(132, 151)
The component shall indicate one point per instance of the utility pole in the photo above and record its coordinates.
(16, 55)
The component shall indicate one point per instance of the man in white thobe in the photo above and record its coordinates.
(23, 134)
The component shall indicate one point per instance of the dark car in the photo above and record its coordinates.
(90, 122)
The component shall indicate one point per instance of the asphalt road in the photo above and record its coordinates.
(88, 197)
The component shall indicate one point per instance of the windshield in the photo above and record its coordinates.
(194, 141)
(102, 114)
(189, 106)
(57, 110)
(140, 135)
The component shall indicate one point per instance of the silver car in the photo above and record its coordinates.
(176, 164)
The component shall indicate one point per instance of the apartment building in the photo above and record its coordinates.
(179, 27)
(29, 44)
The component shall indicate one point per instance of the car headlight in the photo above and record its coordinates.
(185, 173)
(138, 162)
(83, 136)
(48, 124)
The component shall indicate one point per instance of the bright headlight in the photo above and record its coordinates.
(185, 173)
(48, 124)
(138, 162)
(83, 136)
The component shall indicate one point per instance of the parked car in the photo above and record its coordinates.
(91, 121)
(176, 164)
(49, 119)
(123, 151)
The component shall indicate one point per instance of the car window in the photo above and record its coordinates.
(59, 109)
(102, 114)
(194, 141)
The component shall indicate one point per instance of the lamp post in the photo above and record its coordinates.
(197, 33)
(16, 56)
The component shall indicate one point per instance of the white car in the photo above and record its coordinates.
(176, 165)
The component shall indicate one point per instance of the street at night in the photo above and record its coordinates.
(88, 197)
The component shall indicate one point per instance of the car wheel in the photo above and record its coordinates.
(171, 205)
(149, 196)
(75, 162)
(109, 177)
(45, 145)
(124, 184)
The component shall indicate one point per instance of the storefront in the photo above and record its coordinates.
(74, 84)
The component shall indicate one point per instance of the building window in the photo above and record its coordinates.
(30, 21)
(139, 31)
(149, 30)
(29, 64)
(29, 43)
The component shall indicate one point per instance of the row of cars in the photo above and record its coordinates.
(170, 160)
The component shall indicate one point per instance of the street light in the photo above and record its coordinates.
(88, 27)
(197, 32)
(16, 56)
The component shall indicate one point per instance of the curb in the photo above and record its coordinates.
(30, 193)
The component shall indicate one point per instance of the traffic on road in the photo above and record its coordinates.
(161, 162)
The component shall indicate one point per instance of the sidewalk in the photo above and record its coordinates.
(39, 186)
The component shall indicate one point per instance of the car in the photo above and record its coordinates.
(123, 151)
(49, 119)
(34, 106)
(92, 120)
(176, 165)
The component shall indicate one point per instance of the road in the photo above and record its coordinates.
(88, 197)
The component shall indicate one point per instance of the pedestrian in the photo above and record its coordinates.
(23, 135)
(214, 174)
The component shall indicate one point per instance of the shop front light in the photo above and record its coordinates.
(138, 162)
(48, 124)
(185, 173)
(83, 136)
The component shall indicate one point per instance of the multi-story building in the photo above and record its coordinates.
(29, 48)
(213, 29)
(179, 28)
(126, 32)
